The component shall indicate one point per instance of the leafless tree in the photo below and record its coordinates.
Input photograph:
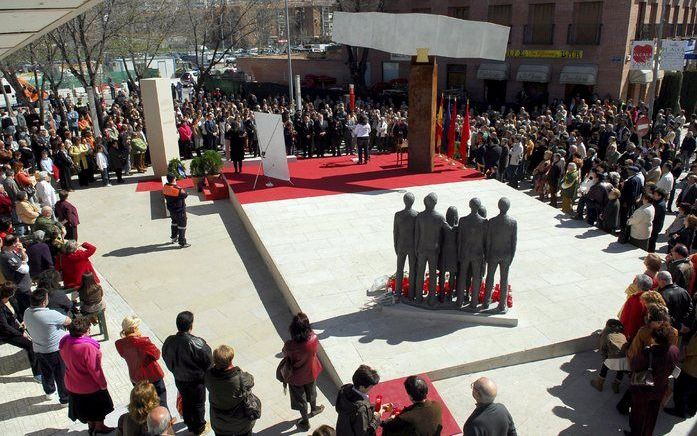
(146, 25)
(215, 27)
(357, 57)
(83, 42)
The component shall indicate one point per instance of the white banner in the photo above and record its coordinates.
(641, 56)
(272, 145)
(405, 33)
(672, 55)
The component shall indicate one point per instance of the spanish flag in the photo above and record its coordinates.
(439, 122)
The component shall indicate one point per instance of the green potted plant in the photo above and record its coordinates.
(177, 167)
(197, 169)
(212, 164)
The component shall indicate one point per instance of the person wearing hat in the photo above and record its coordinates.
(141, 356)
(631, 190)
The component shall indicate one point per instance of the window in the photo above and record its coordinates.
(587, 25)
(390, 71)
(540, 27)
(500, 14)
(641, 17)
(462, 13)
(456, 76)
(503, 15)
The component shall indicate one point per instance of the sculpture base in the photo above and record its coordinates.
(441, 313)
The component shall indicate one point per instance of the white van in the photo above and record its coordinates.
(9, 90)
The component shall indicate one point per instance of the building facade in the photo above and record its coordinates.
(557, 49)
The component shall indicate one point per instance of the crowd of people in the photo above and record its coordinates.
(590, 156)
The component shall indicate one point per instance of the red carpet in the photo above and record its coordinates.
(392, 391)
(333, 175)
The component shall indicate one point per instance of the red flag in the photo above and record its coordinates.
(439, 121)
(451, 131)
(465, 134)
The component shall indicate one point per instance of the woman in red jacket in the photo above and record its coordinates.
(141, 356)
(74, 262)
(302, 351)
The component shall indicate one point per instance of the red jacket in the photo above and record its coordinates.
(632, 317)
(141, 357)
(5, 204)
(306, 365)
(74, 265)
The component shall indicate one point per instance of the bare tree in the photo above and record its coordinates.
(213, 28)
(357, 57)
(146, 26)
(82, 43)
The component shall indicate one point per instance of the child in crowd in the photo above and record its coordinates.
(103, 165)
(613, 344)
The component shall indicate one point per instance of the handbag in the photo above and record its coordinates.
(251, 406)
(284, 372)
(644, 377)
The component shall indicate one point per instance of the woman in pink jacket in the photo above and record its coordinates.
(302, 351)
(88, 398)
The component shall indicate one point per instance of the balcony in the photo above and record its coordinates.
(538, 34)
(584, 34)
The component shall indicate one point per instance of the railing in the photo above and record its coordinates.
(584, 34)
(539, 34)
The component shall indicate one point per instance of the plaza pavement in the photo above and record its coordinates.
(222, 279)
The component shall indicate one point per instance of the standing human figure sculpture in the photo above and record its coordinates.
(427, 234)
(471, 246)
(501, 240)
(448, 254)
(404, 223)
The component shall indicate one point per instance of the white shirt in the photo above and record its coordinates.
(46, 194)
(666, 182)
(516, 154)
(361, 130)
(102, 162)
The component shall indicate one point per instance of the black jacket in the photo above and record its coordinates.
(489, 419)
(659, 218)
(418, 419)
(355, 414)
(679, 305)
(187, 356)
(9, 326)
(226, 392)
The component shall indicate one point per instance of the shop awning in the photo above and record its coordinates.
(579, 75)
(493, 71)
(643, 77)
(23, 21)
(534, 73)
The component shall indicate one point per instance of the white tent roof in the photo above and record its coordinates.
(24, 21)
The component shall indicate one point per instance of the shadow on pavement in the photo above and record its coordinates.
(145, 249)
(28, 406)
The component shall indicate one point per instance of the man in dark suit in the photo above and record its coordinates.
(659, 217)
(488, 418)
(631, 190)
(422, 418)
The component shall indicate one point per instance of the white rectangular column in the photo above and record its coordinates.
(160, 123)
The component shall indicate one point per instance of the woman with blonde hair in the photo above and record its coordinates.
(143, 401)
(141, 357)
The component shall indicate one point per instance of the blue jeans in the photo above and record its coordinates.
(105, 176)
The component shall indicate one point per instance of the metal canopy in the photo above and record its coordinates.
(24, 21)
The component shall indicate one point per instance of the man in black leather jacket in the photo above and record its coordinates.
(188, 357)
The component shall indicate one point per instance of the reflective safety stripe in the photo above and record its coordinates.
(170, 191)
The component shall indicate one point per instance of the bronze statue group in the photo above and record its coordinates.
(459, 249)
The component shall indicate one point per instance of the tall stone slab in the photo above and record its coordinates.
(423, 84)
(160, 123)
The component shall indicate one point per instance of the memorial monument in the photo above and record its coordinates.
(458, 250)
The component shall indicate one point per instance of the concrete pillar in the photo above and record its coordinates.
(423, 84)
(160, 123)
